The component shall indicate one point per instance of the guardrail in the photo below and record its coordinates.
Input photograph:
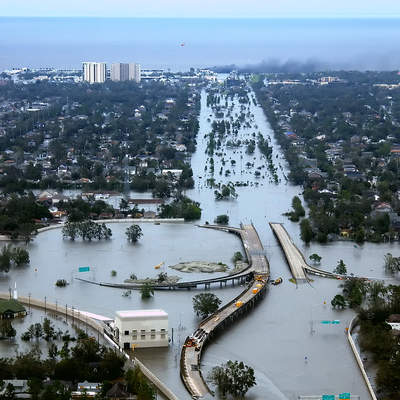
(353, 324)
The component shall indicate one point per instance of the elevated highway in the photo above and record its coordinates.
(242, 304)
(295, 258)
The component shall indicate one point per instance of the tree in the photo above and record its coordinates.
(222, 219)
(48, 330)
(234, 378)
(146, 290)
(123, 205)
(340, 268)
(6, 329)
(237, 256)
(35, 387)
(5, 259)
(338, 301)
(315, 258)
(354, 290)
(392, 264)
(205, 304)
(306, 232)
(20, 256)
(133, 233)
(139, 385)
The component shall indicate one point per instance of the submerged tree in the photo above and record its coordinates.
(338, 301)
(146, 291)
(133, 233)
(340, 268)
(234, 378)
(315, 258)
(205, 304)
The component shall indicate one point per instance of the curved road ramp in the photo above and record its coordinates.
(217, 322)
(295, 258)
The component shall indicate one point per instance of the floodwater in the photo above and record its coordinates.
(276, 337)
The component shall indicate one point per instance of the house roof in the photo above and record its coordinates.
(11, 305)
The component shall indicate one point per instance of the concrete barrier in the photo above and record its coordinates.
(353, 324)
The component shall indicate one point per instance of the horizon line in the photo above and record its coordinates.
(367, 16)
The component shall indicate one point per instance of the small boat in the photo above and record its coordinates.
(277, 281)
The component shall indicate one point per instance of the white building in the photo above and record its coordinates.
(135, 72)
(94, 72)
(141, 328)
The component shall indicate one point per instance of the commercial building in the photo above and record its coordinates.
(141, 328)
(125, 72)
(94, 72)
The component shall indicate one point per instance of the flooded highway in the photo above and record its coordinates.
(278, 335)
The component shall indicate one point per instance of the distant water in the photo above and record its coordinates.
(66, 42)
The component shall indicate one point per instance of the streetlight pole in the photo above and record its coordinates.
(29, 302)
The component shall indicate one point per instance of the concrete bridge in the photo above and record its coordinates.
(241, 305)
(295, 258)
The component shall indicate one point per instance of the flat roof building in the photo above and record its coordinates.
(141, 328)
(124, 72)
(94, 72)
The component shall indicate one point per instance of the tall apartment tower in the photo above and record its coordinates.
(94, 72)
(125, 72)
(134, 72)
(119, 72)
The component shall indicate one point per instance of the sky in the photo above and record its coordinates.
(201, 8)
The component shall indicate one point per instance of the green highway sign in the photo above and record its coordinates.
(84, 269)
(328, 397)
(327, 322)
(344, 396)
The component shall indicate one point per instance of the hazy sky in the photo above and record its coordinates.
(202, 8)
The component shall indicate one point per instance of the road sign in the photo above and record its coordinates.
(84, 269)
(344, 396)
(327, 322)
(328, 397)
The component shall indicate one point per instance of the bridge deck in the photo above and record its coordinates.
(293, 255)
(258, 264)
(295, 258)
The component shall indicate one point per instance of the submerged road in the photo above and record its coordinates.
(242, 304)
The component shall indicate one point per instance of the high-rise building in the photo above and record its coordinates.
(119, 72)
(94, 72)
(134, 72)
(125, 72)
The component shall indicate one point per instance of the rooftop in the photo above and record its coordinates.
(141, 314)
(11, 305)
